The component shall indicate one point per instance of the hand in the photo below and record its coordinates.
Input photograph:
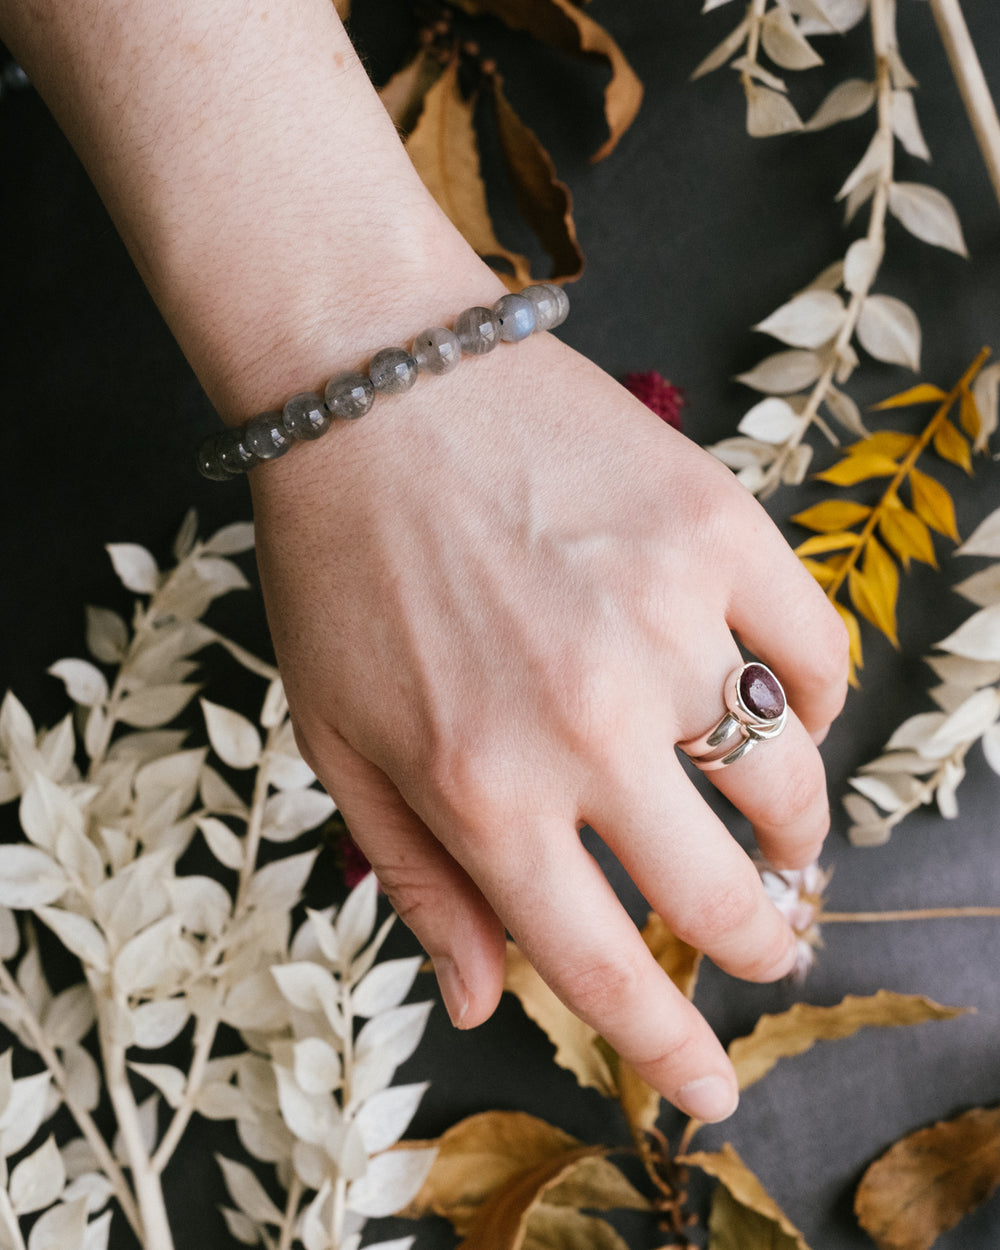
(498, 601)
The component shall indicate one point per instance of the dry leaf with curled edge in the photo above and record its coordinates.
(927, 1181)
(564, 26)
(793, 1032)
(443, 148)
(744, 1216)
(404, 94)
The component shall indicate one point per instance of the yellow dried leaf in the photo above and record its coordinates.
(925, 1183)
(933, 504)
(444, 149)
(859, 466)
(575, 1042)
(885, 442)
(677, 959)
(854, 640)
(483, 1155)
(403, 95)
(729, 1169)
(563, 25)
(837, 540)
(557, 1228)
(821, 572)
(952, 446)
(924, 393)
(969, 415)
(544, 201)
(907, 536)
(732, 1226)
(833, 514)
(596, 1184)
(793, 1032)
(875, 589)
(343, 8)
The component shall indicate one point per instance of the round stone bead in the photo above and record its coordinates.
(208, 461)
(548, 307)
(234, 455)
(515, 317)
(437, 350)
(349, 395)
(562, 302)
(477, 330)
(392, 370)
(305, 416)
(266, 437)
(761, 692)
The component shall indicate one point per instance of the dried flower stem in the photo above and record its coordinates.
(972, 84)
(920, 913)
(905, 467)
(81, 1116)
(295, 1191)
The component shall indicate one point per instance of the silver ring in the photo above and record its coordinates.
(756, 710)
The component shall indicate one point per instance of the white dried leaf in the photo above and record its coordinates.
(984, 539)
(393, 1179)
(901, 77)
(947, 803)
(221, 575)
(157, 1023)
(83, 1077)
(841, 15)
(148, 745)
(860, 196)
(316, 1066)
(266, 1137)
(906, 127)
(889, 330)
(309, 1116)
(397, 1243)
(176, 774)
(757, 72)
(869, 828)
(135, 567)
(847, 100)
(231, 540)
(721, 53)
(241, 1227)
(148, 958)
(830, 278)
(153, 706)
(978, 638)
(361, 964)
(991, 747)
(882, 791)
(709, 5)
(24, 1113)
(784, 372)
(861, 264)
(10, 936)
(844, 410)
(85, 684)
(202, 905)
(948, 698)
(916, 732)
(969, 721)
(107, 635)
(97, 1233)
(234, 739)
(320, 934)
(809, 320)
(220, 1101)
(95, 1189)
(961, 671)
(393, 1035)
(70, 1015)
(982, 588)
(46, 810)
(385, 986)
(307, 986)
(356, 919)
(38, 1180)
(170, 1081)
(312, 1164)
(226, 846)
(279, 885)
(385, 1117)
(741, 453)
(769, 112)
(62, 1227)
(927, 213)
(255, 1003)
(784, 43)
(986, 392)
(219, 796)
(753, 478)
(29, 878)
(79, 1158)
(248, 1193)
(288, 772)
(57, 748)
(80, 858)
(314, 1226)
(31, 978)
(876, 163)
(290, 813)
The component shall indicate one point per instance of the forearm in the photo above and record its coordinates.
(255, 178)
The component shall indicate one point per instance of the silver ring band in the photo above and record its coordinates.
(756, 710)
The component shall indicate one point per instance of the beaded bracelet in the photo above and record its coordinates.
(391, 371)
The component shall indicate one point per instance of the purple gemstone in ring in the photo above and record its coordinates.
(761, 693)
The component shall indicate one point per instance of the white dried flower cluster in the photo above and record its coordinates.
(165, 951)
(818, 326)
(924, 760)
(798, 895)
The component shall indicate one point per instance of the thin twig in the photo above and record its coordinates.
(920, 913)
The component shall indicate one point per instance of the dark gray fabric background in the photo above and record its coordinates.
(693, 232)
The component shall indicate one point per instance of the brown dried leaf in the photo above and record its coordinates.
(563, 1228)
(595, 1183)
(443, 147)
(729, 1169)
(343, 8)
(793, 1032)
(484, 1155)
(404, 94)
(575, 1042)
(564, 26)
(677, 959)
(544, 201)
(925, 1183)
(732, 1226)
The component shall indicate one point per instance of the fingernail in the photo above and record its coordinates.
(710, 1098)
(453, 991)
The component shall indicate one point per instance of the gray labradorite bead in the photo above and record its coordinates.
(392, 370)
(550, 309)
(266, 437)
(305, 416)
(234, 455)
(515, 316)
(477, 330)
(209, 464)
(437, 350)
(349, 396)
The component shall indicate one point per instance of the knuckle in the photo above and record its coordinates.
(602, 989)
(799, 796)
(721, 913)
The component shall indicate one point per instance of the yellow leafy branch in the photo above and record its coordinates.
(857, 558)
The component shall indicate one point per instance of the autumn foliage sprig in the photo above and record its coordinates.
(864, 560)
